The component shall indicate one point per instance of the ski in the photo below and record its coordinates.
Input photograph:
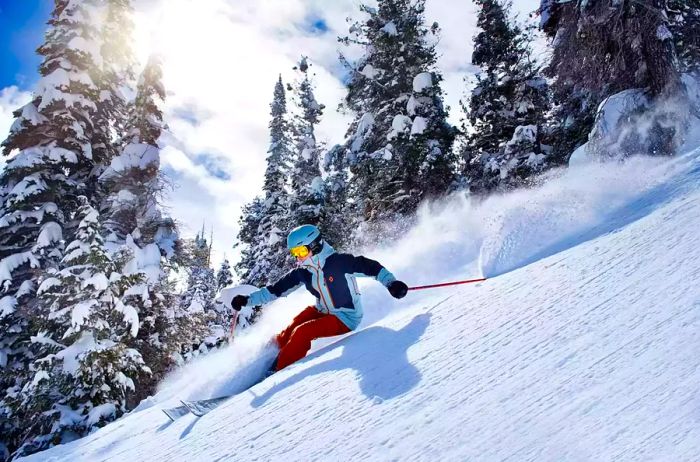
(202, 406)
(176, 412)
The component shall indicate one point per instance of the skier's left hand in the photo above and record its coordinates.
(238, 302)
(398, 289)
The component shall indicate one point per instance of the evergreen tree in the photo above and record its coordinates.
(114, 75)
(201, 290)
(51, 161)
(271, 260)
(81, 380)
(265, 221)
(306, 201)
(507, 107)
(685, 27)
(135, 224)
(399, 145)
(279, 154)
(201, 283)
(132, 181)
(600, 48)
(224, 278)
(335, 219)
(248, 240)
(197, 302)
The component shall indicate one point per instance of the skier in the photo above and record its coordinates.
(330, 277)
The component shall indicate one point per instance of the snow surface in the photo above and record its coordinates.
(582, 345)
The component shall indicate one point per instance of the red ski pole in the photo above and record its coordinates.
(445, 284)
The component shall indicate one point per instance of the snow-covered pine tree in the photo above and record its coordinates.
(224, 277)
(399, 145)
(50, 162)
(685, 27)
(602, 47)
(335, 219)
(197, 302)
(248, 241)
(85, 369)
(201, 287)
(131, 182)
(306, 201)
(201, 283)
(114, 76)
(135, 223)
(263, 233)
(279, 154)
(507, 108)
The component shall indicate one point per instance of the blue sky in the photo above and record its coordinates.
(22, 25)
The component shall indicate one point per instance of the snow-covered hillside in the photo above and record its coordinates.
(584, 344)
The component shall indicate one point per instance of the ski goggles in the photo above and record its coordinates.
(300, 251)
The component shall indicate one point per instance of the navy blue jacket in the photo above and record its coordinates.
(330, 277)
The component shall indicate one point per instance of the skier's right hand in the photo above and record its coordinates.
(239, 301)
(398, 289)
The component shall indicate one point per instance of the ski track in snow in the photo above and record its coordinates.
(585, 346)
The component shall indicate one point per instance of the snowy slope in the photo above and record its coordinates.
(583, 345)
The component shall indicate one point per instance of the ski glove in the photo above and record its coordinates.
(398, 289)
(239, 301)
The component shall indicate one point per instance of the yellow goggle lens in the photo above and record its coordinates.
(300, 251)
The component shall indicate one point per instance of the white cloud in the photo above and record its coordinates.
(221, 60)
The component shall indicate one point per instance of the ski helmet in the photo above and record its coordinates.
(303, 235)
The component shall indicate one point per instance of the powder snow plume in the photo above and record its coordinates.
(460, 238)
(236, 367)
(454, 239)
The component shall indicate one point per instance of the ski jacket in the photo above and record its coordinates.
(330, 277)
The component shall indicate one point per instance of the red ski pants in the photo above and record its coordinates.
(310, 324)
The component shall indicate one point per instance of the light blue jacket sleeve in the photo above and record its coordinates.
(260, 297)
(385, 277)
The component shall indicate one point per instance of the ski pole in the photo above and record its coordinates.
(445, 284)
(234, 321)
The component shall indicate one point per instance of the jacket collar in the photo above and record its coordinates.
(320, 259)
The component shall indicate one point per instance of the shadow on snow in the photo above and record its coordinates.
(378, 355)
